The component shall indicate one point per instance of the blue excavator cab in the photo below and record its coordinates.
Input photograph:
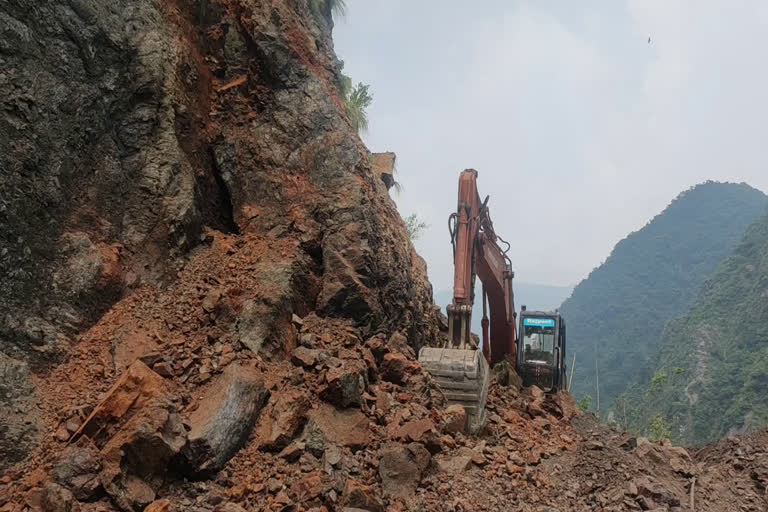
(541, 350)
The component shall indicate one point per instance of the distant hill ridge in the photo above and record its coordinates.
(617, 314)
(711, 374)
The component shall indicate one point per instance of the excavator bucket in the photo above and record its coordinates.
(462, 375)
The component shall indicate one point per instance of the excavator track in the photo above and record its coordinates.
(463, 376)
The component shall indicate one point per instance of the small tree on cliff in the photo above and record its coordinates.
(335, 7)
(356, 102)
(414, 226)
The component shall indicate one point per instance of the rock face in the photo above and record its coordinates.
(225, 418)
(129, 130)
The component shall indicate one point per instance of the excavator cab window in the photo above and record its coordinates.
(541, 350)
(539, 340)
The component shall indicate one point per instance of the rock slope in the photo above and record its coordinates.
(143, 140)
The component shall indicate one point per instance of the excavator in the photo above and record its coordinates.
(459, 367)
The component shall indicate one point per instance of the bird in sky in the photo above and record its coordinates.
(649, 39)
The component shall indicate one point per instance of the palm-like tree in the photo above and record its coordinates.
(336, 7)
(356, 101)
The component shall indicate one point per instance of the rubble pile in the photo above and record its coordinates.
(344, 420)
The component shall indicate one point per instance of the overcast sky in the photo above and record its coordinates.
(580, 130)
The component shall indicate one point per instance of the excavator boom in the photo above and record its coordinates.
(477, 254)
(460, 368)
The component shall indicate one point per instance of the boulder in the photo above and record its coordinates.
(455, 419)
(129, 492)
(345, 384)
(415, 430)
(56, 498)
(645, 449)
(306, 357)
(563, 406)
(370, 363)
(159, 506)
(212, 300)
(399, 343)
(656, 492)
(136, 458)
(225, 418)
(384, 403)
(309, 487)
(395, 367)
(535, 401)
(347, 428)
(282, 420)
(78, 470)
(136, 387)
(360, 497)
(293, 451)
(401, 468)
(378, 348)
(146, 443)
(453, 464)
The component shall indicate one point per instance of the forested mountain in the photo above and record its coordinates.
(711, 374)
(617, 314)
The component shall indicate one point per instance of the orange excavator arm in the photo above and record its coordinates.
(477, 253)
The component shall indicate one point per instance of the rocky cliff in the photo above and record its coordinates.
(144, 140)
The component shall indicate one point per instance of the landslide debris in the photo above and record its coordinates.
(401, 448)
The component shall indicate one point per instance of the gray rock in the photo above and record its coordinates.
(225, 418)
(19, 431)
(56, 498)
(130, 493)
(78, 470)
(345, 384)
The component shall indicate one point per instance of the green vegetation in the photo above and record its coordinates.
(336, 8)
(658, 380)
(619, 312)
(415, 226)
(659, 429)
(718, 353)
(584, 404)
(356, 102)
